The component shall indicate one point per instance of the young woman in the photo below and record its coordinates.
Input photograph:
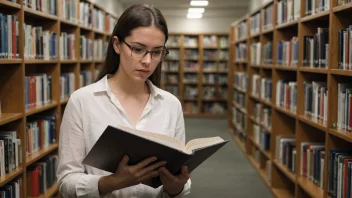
(126, 94)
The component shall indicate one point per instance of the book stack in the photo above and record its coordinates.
(255, 54)
(86, 46)
(10, 152)
(47, 6)
(38, 90)
(268, 53)
(286, 94)
(12, 188)
(316, 100)
(255, 23)
(67, 50)
(316, 49)
(241, 52)
(316, 6)
(287, 10)
(265, 89)
(256, 85)
(344, 106)
(67, 85)
(85, 78)
(345, 49)
(9, 36)
(85, 14)
(69, 10)
(241, 80)
(240, 99)
(268, 17)
(266, 118)
(285, 151)
(241, 31)
(287, 52)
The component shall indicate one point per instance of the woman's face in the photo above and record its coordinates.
(139, 68)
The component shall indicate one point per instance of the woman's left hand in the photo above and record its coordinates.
(173, 184)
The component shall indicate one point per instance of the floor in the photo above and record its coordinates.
(226, 174)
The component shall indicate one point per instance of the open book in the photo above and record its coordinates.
(115, 142)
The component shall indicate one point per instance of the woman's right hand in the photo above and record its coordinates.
(126, 175)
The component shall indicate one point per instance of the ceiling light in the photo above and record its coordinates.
(196, 10)
(199, 3)
(194, 15)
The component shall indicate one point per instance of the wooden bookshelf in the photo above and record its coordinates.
(206, 55)
(285, 122)
(14, 115)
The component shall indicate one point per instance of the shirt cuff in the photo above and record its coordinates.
(87, 186)
(186, 190)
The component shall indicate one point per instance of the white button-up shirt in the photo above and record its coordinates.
(88, 112)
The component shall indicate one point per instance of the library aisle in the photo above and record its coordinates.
(227, 173)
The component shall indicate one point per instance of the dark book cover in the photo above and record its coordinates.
(114, 143)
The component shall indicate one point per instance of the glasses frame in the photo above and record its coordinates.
(147, 52)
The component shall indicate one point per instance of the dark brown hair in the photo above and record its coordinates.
(133, 17)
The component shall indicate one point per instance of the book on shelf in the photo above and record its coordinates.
(344, 48)
(316, 49)
(120, 141)
(344, 106)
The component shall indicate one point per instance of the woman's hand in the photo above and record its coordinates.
(126, 176)
(173, 185)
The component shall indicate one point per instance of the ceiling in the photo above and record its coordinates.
(178, 8)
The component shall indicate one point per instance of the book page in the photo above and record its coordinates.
(155, 137)
(202, 142)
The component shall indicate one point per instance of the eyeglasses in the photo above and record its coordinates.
(140, 52)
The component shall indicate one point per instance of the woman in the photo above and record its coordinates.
(125, 94)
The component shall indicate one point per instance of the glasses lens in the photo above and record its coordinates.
(138, 52)
(159, 54)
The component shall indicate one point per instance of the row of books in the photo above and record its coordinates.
(171, 79)
(69, 9)
(173, 41)
(266, 119)
(42, 175)
(345, 48)
(190, 41)
(39, 43)
(261, 87)
(261, 137)
(214, 108)
(191, 92)
(9, 36)
(86, 48)
(342, 2)
(85, 14)
(268, 53)
(40, 132)
(344, 106)
(312, 162)
(239, 120)
(241, 52)
(190, 78)
(191, 66)
(174, 54)
(99, 49)
(316, 49)
(315, 6)
(190, 108)
(37, 90)
(210, 41)
(288, 10)
(67, 43)
(213, 93)
(241, 31)
(213, 78)
(268, 17)
(255, 23)
(10, 152)
(286, 94)
(241, 80)
(98, 19)
(285, 151)
(172, 89)
(287, 52)
(257, 111)
(255, 54)
(240, 99)
(316, 100)
(67, 85)
(47, 6)
(191, 54)
(214, 55)
(172, 66)
(85, 78)
(12, 189)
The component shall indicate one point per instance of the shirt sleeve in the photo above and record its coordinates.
(72, 179)
(181, 135)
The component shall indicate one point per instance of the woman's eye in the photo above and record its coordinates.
(138, 50)
(157, 52)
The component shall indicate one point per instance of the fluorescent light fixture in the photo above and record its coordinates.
(199, 3)
(196, 10)
(194, 15)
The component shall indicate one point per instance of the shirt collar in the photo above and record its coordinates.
(103, 85)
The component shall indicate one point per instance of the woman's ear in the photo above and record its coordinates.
(116, 44)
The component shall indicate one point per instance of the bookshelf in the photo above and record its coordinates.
(196, 72)
(302, 88)
(61, 57)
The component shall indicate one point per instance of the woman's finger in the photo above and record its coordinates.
(167, 175)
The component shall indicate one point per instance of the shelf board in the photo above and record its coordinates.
(69, 61)
(241, 40)
(166, 71)
(209, 72)
(261, 172)
(341, 72)
(10, 4)
(266, 153)
(288, 24)
(255, 34)
(86, 28)
(190, 72)
(243, 110)
(68, 22)
(191, 99)
(9, 117)
(255, 65)
(255, 121)
(212, 115)
(10, 61)
(266, 102)
(173, 47)
(50, 192)
(64, 101)
(286, 111)
(10, 176)
(35, 13)
(287, 68)
(267, 129)
(41, 153)
(96, 31)
(210, 47)
(270, 30)
(99, 61)
(240, 90)
(239, 143)
(41, 108)
(313, 70)
(284, 170)
(343, 7)
(86, 61)
(39, 61)
(214, 100)
(255, 97)
(309, 187)
(191, 59)
(241, 61)
(319, 124)
(280, 192)
(343, 134)
(316, 16)
(267, 66)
